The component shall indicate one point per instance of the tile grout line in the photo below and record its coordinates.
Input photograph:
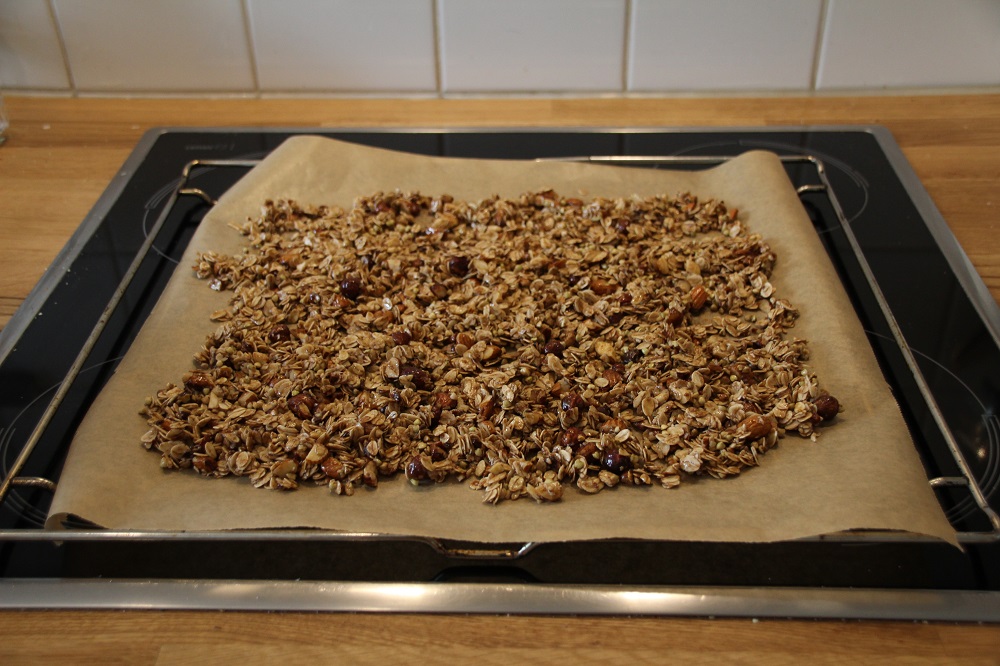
(436, 28)
(627, 48)
(63, 51)
(251, 46)
(819, 44)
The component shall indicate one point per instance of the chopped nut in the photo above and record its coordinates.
(572, 438)
(199, 381)
(572, 401)
(421, 378)
(613, 376)
(698, 297)
(603, 287)
(486, 409)
(302, 405)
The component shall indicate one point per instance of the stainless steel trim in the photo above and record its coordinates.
(517, 598)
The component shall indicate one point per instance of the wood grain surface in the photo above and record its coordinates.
(60, 155)
(191, 638)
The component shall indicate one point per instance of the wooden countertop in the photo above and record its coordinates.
(62, 153)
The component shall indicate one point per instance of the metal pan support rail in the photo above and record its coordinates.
(12, 479)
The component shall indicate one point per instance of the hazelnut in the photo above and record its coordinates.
(279, 333)
(572, 437)
(458, 266)
(632, 356)
(572, 400)
(554, 347)
(350, 287)
(827, 407)
(613, 375)
(421, 378)
(416, 471)
(615, 462)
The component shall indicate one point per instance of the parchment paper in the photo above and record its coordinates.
(862, 473)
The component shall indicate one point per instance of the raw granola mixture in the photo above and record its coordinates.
(521, 345)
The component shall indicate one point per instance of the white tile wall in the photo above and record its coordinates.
(687, 45)
(486, 47)
(146, 45)
(886, 43)
(346, 45)
(30, 54)
(532, 45)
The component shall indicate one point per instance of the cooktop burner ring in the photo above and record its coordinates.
(784, 149)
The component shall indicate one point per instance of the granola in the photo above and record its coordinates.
(521, 345)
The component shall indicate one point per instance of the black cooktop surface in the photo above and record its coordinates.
(903, 270)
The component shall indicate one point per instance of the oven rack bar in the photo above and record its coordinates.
(966, 480)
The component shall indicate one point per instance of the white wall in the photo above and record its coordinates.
(490, 47)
